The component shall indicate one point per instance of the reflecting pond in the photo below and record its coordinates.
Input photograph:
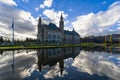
(73, 63)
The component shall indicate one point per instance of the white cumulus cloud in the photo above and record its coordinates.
(55, 16)
(46, 3)
(9, 2)
(37, 8)
(99, 23)
(24, 23)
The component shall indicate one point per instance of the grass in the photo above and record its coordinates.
(53, 46)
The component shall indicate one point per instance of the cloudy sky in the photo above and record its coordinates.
(87, 17)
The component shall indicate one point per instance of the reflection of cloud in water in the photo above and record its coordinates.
(22, 65)
(97, 63)
(54, 72)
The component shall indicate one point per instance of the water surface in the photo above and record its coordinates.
(73, 63)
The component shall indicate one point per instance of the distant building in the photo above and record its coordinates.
(116, 37)
(107, 38)
(52, 33)
(112, 38)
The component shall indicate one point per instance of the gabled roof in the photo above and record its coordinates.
(74, 32)
(70, 32)
(53, 26)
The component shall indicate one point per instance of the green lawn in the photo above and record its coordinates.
(53, 46)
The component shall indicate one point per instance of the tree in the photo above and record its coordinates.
(1, 39)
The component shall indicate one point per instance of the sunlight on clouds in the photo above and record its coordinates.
(9, 2)
(96, 24)
(46, 3)
(100, 23)
(115, 4)
(27, 17)
(55, 16)
(37, 8)
(42, 6)
(24, 23)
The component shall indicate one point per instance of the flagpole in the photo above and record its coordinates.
(13, 43)
(13, 31)
(13, 62)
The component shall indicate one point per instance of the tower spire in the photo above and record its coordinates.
(73, 29)
(61, 25)
(39, 19)
(61, 18)
(39, 29)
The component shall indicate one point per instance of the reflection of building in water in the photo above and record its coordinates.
(115, 38)
(61, 63)
(52, 56)
(113, 50)
(1, 52)
(108, 49)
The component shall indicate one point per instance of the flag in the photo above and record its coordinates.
(12, 23)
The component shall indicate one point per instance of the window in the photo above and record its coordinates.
(54, 36)
(49, 36)
(58, 37)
